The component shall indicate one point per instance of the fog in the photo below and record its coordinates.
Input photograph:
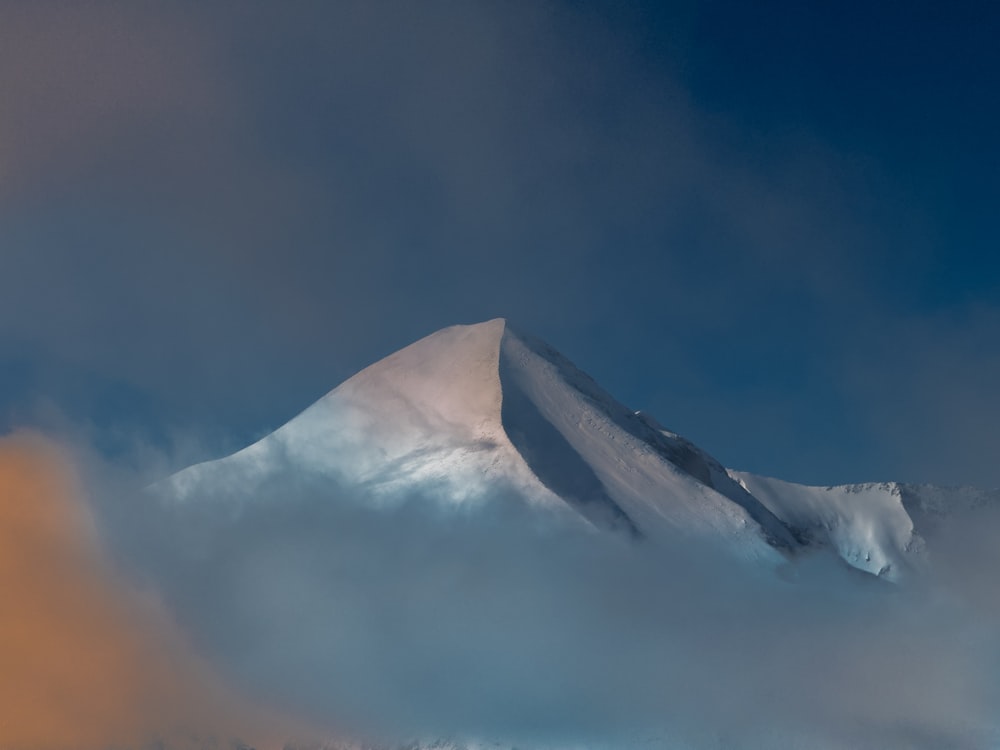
(500, 621)
(127, 617)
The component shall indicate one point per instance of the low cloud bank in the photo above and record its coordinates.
(501, 622)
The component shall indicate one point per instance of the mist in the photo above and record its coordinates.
(410, 618)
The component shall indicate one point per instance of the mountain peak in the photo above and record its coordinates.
(474, 412)
(471, 411)
(450, 376)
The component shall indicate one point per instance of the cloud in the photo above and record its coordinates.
(86, 662)
(499, 622)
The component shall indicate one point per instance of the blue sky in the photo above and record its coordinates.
(771, 225)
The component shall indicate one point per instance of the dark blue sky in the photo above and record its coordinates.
(772, 225)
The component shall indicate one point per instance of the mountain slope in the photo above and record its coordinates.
(628, 459)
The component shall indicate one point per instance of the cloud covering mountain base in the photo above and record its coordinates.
(504, 623)
(497, 622)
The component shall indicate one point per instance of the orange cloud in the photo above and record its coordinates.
(83, 664)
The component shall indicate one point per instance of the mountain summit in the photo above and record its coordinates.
(473, 411)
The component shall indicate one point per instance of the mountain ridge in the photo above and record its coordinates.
(473, 408)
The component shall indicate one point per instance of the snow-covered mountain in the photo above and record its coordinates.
(353, 567)
(476, 410)
(473, 410)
